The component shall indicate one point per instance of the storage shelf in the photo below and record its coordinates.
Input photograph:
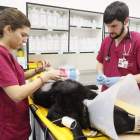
(43, 53)
(82, 52)
(80, 32)
(87, 52)
(84, 27)
(106, 32)
(44, 32)
(61, 30)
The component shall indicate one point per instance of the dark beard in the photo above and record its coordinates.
(117, 36)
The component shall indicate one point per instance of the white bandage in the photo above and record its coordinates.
(92, 133)
(67, 121)
(137, 125)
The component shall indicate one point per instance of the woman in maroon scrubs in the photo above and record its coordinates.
(14, 106)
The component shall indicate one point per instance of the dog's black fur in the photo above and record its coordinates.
(65, 98)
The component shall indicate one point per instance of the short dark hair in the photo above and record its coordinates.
(116, 10)
(13, 17)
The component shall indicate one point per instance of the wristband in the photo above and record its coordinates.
(41, 80)
(36, 71)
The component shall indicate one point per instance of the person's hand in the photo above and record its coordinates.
(111, 81)
(55, 74)
(101, 78)
(42, 66)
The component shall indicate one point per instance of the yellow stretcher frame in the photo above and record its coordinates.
(63, 133)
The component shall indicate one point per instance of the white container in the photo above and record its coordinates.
(37, 45)
(81, 22)
(54, 19)
(78, 21)
(64, 22)
(43, 42)
(64, 43)
(74, 21)
(49, 19)
(138, 28)
(49, 43)
(71, 21)
(80, 44)
(88, 45)
(83, 44)
(59, 22)
(94, 24)
(14, 53)
(75, 43)
(29, 14)
(31, 45)
(98, 44)
(34, 18)
(94, 45)
(71, 44)
(42, 18)
(56, 43)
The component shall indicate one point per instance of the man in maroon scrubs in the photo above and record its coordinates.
(119, 54)
(14, 106)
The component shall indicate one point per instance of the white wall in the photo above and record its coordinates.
(90, 5)
(81, 61)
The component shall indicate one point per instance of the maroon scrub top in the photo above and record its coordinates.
(14, 117)
(111, 68)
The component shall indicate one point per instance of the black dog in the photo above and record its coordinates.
(65, 98)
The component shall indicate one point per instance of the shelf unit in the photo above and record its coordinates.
(87, 31)
(136, 22)
(45, 31)
(80, 31)
(24, 48)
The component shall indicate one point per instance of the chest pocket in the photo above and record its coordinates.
(132, 63)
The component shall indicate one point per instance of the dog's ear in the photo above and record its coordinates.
(85, 119)
(93, 87)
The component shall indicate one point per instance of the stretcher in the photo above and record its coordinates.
(53, 132)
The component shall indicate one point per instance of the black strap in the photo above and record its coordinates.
(46, 134)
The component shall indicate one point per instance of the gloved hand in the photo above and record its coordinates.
(111, 81)
(101, 78)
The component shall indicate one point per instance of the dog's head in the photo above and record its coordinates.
(69, 101)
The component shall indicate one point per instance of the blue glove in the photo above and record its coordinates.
(100, 78)
(111, 81)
